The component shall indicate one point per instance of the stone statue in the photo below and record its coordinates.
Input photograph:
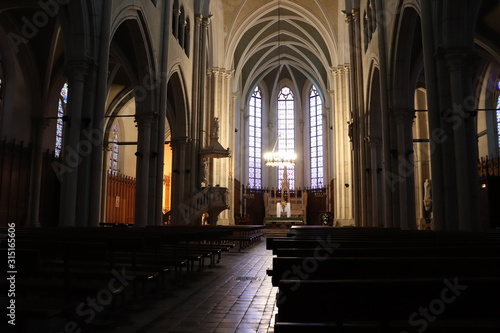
(427, 195)
(350, 128)
(215, 128)
(204, 172)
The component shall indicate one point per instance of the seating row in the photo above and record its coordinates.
(58, 269)
(386, 280)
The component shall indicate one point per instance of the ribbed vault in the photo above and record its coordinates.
(283, 40)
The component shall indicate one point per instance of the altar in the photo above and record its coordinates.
(283, 221)
(285, 207)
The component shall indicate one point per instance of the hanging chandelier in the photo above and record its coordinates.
(279, 158)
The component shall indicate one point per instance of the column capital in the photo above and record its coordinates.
(198, 19)
(206, 21)
(403, 115)
(214, 71)
(347, 17)
(355, 14)
(455, 59)
(373, 141)
(83, 66)
(145, 118)
(336, 70)
(180, 141)
(228, 74)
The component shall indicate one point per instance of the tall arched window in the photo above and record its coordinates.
(255, 140)
(316, 118)
(61, 112)
(113, 156)
(286, 131)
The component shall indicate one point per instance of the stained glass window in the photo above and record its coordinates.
(316, 118)
(113, 158)
(61, 112)
(286, 131)
(255, 140)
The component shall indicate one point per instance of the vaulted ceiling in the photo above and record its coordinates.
(281, 39)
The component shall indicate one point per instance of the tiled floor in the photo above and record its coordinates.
(234, 296)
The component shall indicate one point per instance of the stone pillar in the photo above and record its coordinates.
(182, 32)
(98, 173)
(175, 25)
(375, 144)
(71, 157)
(179, 146)
(350, 77)
(348, 129)
(36, 175)
(358, 105)
(455, 61)
(144, 122)
(434, 118)
(404, 120)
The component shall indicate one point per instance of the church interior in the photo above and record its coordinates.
(306, 161)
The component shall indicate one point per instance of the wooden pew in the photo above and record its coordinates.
(246, 235)
(469, 302)
(402, 251)
(358, 263)
(382, 267)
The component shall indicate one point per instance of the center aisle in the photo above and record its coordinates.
(234, 296)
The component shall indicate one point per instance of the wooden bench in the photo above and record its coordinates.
(352, 277)
(245, 235)
(464, 301)
(382, 267)
(402, 251)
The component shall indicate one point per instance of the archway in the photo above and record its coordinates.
(408, 67)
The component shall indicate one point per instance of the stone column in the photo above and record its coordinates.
(179, 146)
(144, 122)
(434, 118)
(356, 182)
(357, 77)
(455, 62)
(36, 175)
(175, 25)
(348, 130)
(98, 175)
(404, 120)
(160, 161)
(71, 157)
(375, 144)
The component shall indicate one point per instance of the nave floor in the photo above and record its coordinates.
(234, 296)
